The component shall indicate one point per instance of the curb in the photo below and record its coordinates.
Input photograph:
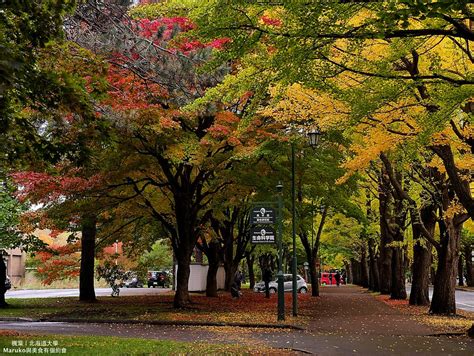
(454, 333)
(157, 322)
(465, 289)
(18, 319)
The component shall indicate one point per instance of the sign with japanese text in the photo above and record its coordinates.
(263, 235)
(262, 215)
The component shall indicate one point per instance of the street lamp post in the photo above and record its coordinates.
(293, 213)
(313, 138)
(281, 288)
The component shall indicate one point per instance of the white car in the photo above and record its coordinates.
(301, 285)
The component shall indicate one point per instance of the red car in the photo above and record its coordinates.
(329, 278)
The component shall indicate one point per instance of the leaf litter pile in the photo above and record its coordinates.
(251, 308)
(459, 323)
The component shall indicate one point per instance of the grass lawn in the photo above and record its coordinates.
(251, 308)
(106, 345)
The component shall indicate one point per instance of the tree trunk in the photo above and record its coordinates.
(311, 253)
(373, 268)
(181, 297)
(86, 276)
(445, 281)
(311, 257)
(312, 250)
(422, 257)
(235, 246)
(419, 293)
(213, 259)
(385, 259)
(350, 279)
(458, 184)
(313, 276)
(228, 263)
(399, 214)
(355, 269)
(469, 269)
(460, 271)
(211, 280)
(184, 241)
(266, 261)
(364, 273)
(432, 274)
(397, 286)
(385, 266)
(250, 260)
(3, 277)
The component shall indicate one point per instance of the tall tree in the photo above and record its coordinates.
(166, 156)
(11, 234)
(74, 131)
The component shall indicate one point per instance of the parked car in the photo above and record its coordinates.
(301, 285)
(8, 283)
(158, 279)
(133, 282)
(328, 278)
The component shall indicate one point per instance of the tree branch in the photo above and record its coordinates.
(414, 211)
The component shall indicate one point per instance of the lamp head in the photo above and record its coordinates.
(313, 137)
(279, 187)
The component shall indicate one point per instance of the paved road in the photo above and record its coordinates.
(100, 292)
(464, 299)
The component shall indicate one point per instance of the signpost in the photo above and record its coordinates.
(262, 219)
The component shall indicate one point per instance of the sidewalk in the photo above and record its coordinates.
(345, 321)
(349, 320)
(351, 309)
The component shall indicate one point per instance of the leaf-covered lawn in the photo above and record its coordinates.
(107, 345)
(251, 308)
(450, 324)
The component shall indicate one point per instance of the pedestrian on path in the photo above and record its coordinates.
(267, 277)
(236, 285)
(337, 276)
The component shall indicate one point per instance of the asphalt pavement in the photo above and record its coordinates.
(464, 299)
(99, 292)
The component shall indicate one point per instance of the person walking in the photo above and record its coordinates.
(267, 277)
(337, 276)
(236, 285)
